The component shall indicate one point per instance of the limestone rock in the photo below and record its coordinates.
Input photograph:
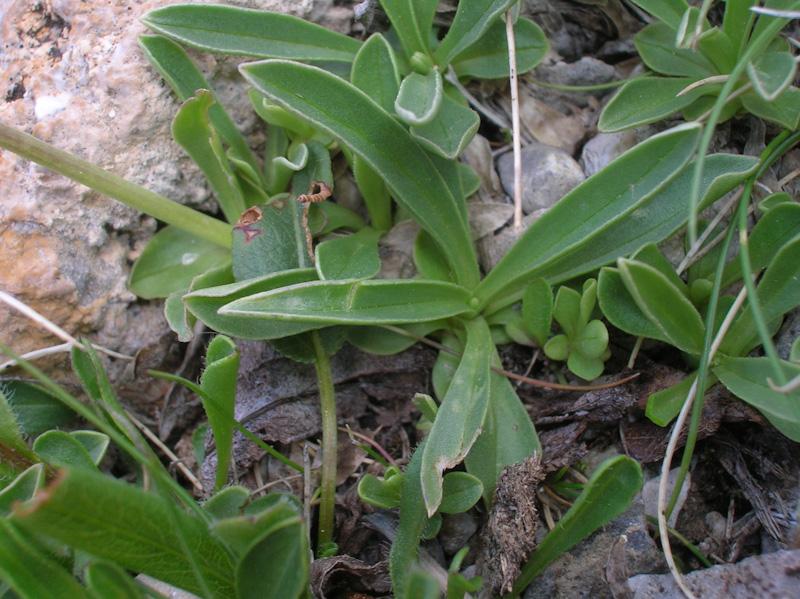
(603, 148)
(74, 76)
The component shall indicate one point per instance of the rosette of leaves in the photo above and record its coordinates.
(645, 297)
(583, 342)
(692, 62)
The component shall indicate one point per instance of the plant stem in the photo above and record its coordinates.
(327, 407)
(102, 181)
(515, 124)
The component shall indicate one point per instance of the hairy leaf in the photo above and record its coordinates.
(472, 20)
(419, 98)
(241, 31)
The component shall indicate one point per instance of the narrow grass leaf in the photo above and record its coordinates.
(246, 32)
(461, 415)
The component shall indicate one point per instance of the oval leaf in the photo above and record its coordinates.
(349, 257)
(472, 19)
(460, 491)
(419, 98)
(771, 73)
(241, 31)
(664, 305)
(449, 133)
(169, 262)
(656, 46)
(375, 71)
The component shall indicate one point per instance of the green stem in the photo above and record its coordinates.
(563, 87)
(327, 406)
(683, 541)
(102, 181)
(776, 148)
(755, 47)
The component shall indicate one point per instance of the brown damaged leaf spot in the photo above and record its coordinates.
(246, 221)
(42, 497)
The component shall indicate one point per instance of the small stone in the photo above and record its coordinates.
(548, 174)
(603, 148)
(790, 330)
(478, 154)
(492, 248)
(769, 576)
(456, 530)
(549, 125)
(650, 495)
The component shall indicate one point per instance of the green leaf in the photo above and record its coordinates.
(106, 580)
(375, 71)
(22, 488)
(771, 73)
(205, 303)
(773, 230)
(588, 210)
(411, 21)
(584, 366)
(557, 348)
(429, 260)
(738, 20)
(381, 493)
(461, 415)
(715, 45)
(449, 133)
(192, 129)
(62, 449)
(266, 514)
(95, 443)
(269, 239)
(460, 491)
(422, 585)
(228, 503)
(276, 565)
(354, 302)
(783, 110)
(413, 518)
(419, 98)
(592, 341)
(650, 218)
(652, 256)
(35, 409)
(747, 379)
(383, 342)
(537, 310)
(185, 79)
(656, 46)
(113, 520)
(178, 318)
(487, 58)
(665, 305)
(472, 20)
(664, 405)
(30, 572)
(349, 257)
(328, 217)
(608, 493)
(169, 262)
(621, 310)
(13, 447)
(668, 11)
(362, 125)
(567, 310)
(773, 200)
(241, 31)
(647, 100)
(375, 194)
(300, 348)
(778, 292)
(219, 382)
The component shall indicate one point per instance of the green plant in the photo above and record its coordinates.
(268, 286)
(693, 61)
(62, 518)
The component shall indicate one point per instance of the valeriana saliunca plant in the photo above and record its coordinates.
(275, 291)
